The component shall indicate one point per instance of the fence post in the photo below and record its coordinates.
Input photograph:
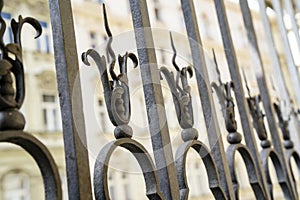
(159, 130)
(67, 70)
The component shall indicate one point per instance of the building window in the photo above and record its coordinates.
(93, 39)
(16, 186)
(127, 192)
(112, 192)
(157, 11)
(43, 42)
(206, 26)
(51, 114)
(101, 115)
(8, 36)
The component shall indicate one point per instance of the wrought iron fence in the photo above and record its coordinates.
(165, 176)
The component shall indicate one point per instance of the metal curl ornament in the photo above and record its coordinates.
(116, 90)
(12, 99)
(181, 95)
(227, 103)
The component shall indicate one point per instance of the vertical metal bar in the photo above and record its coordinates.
(276, 66)
(211, 122)
(154, 100)
(291, 13)
(264, 92)
(238, 90)
(67, 70)
(287, 49)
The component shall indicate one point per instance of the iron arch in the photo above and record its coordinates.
(211, 169)
(144, 160)
(42, 157)
(291, 153)
(270, 153)
(251, 169)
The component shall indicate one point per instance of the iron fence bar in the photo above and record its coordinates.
(276, 66)
(264, 92)
(291, 13)
(150, 73)
(211, 122)
(287, 49)
(238, 90)
(68, 78)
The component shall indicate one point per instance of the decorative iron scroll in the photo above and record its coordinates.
(184, 110)
(234, 138)
(10, 99)
(267, 151)
(288, 143)
(12, 121)
(117, 100)
(116, 91)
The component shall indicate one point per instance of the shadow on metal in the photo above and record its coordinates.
(42, 157)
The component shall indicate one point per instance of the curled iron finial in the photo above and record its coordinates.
(226, 101)
(111, 53)
(12, 93)
(174, 53)
(283, 124)
(107, 29)
(181, 95)
(116, 91)
(257, 115)
(181, 74)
